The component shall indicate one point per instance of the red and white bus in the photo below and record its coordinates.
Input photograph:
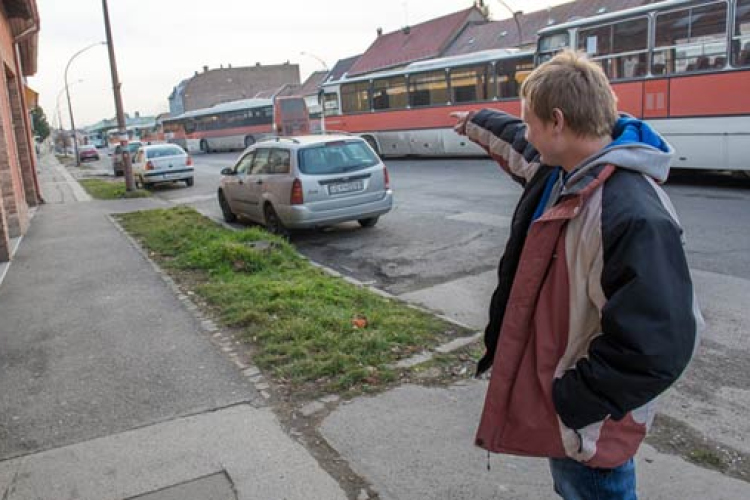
(407, 111)
(237, 124)
(682, 65)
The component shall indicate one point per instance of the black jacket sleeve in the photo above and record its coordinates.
(648, 322)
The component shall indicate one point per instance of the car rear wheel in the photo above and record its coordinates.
(369, 222)
(190, 181)
(226, 210)
(273, 223)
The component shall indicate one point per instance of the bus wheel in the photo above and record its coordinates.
(371, 142)
(204, 146)
(249, 141)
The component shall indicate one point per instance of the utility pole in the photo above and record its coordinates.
(127, 168)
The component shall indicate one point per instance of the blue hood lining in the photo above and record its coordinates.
(633, 131)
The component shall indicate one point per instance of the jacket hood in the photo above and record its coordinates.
(635, 146)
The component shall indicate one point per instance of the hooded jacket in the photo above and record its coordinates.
(594, 314)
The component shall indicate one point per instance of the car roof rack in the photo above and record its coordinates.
(278, 138)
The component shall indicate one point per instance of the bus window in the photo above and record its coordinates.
(510, 74)
(549, 45)
(470, 84)
(741, 38)
(620, 48)
(692, 39)
(428, 89)
(354, 98)
(389, 93)
(331, 104)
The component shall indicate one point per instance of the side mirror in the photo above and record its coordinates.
(227, 171)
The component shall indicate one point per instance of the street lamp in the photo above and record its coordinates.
(516, 15)
(321, 104)
(59, 115)
(67, 92)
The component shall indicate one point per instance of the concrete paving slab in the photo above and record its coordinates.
(94, 341)
(427, 452)
(244, 442)
(213, 487)
(465, 300)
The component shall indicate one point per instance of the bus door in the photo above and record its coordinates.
(290, 116)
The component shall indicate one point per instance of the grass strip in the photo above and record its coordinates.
(110, 189)
(309, 330)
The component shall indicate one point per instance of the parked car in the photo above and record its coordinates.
(306, 181)
(159, 163)
(118, 165)
(87, 152)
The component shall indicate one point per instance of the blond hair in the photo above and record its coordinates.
(577, 87)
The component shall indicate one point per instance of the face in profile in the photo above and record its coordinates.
(540, 134)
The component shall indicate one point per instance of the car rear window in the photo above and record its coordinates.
(161, 151)
(336, 157)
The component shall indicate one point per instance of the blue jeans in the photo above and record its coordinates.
(574, 481)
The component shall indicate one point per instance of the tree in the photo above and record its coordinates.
(41, 127)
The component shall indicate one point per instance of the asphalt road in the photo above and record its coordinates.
(451, 218)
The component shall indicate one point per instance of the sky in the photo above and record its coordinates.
(158, 43)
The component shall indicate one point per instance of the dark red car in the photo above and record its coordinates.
(87, 152)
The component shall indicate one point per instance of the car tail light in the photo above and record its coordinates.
(149, 165)
(297, 198)
(386, 177)
(189, 161)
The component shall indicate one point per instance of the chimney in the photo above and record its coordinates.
(196, 73)
(205, 69)
(137, 114)
(221, 66)
(380, 31)
(257, 64)
(406, 30)
(229, 65)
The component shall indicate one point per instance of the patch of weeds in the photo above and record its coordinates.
(670, 435)
(311, 332)
(110, 189)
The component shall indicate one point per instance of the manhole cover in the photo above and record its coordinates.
(214, 487)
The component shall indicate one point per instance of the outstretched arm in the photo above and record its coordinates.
(503, 136)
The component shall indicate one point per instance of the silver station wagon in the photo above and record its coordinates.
(306, 182)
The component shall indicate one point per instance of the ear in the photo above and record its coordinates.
(558, 120)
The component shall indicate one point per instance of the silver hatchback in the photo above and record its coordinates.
(305, 182)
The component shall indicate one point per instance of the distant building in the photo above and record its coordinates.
(214, 86)
(19, 187)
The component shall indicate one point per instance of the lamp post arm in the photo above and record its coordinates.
(515, 15)
(67, 92)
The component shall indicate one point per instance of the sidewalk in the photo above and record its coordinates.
(111, 387)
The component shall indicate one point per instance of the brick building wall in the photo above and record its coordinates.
(230, 84)
(17, 164)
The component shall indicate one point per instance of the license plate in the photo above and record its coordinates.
(346, 187)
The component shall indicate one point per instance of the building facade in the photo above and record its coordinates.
(19, 187)
(214, 86)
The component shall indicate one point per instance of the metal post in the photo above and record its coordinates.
(70, 106)
(127, 168)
